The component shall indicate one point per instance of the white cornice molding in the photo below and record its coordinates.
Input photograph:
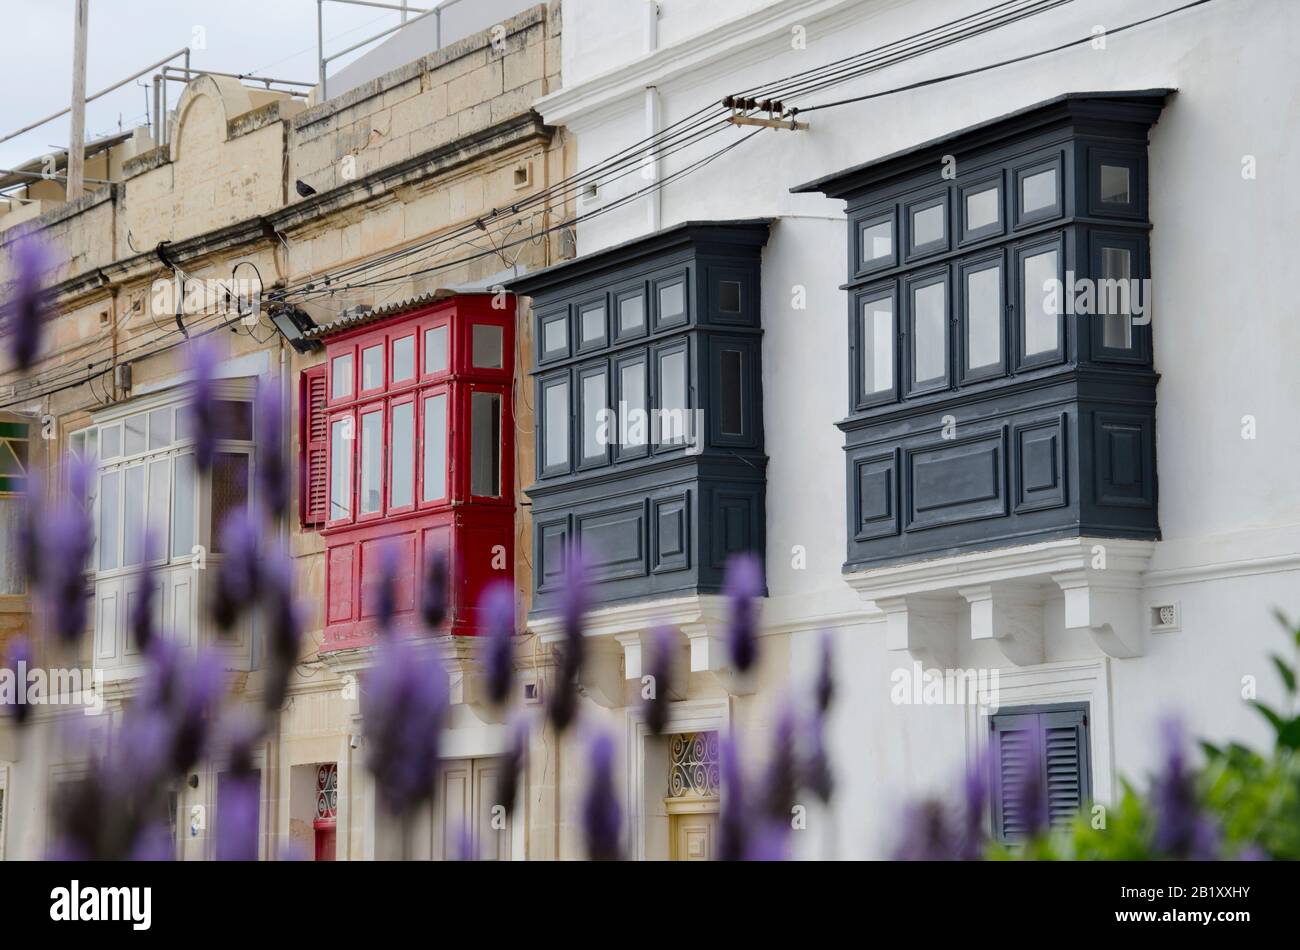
(693, 54)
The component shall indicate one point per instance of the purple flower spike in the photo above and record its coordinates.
(433, 599)
(733, 824)
(816, 765)
(465, 849)
(405, 706)
(63, 542)
(824, 690)
(661, 679)
(770, 842)
(25, 312)
(573, 608)
(927, 834)
(781, 779)
(513, 764)
(1182, 831)
(284, 619)
(237, 804)
(976, 797)
(202, 411)
(237, 577)
(141, 620)
(1030, 794)
(386, 606)
(497, 607)
(272, 460)
(19, 659)
(601, 818)
(744, 583)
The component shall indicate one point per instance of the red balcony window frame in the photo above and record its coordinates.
(366, 408)
(422, 396)
(388, 506)
(334, 417)
(334, 399)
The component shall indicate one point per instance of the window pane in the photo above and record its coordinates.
(435, 350)
(341, 384)
(110, 442)
(229, 491)
(729, 296)
(109, 509)
(1114, 184)
(341, 435)
(1038, 191)
(983, 317)
(487, 346)
(234, 420)
(981, 209)
(401, 470)
(135, 435)
(184, 423)
(160, 428)
(485, 445)
(372, 367)
(631, 314)
(1040, 317)
(403, 358)
(631, 409)
(593, 401)
(12, 581)
(160, 489)
(672, 301)
(133, 516)
(877, 346)
(593, 324)
(730, 408)
(183, 508)
(877, 241)
(372, 448)
(930, 341)
(556, 436)
(927, 225)
(674, 425)
(435, 447)
(555, 335)
(1114, 299)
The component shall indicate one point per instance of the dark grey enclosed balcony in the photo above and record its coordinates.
(660, 340)
(985, 411)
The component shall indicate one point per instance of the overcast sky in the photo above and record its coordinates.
(275, 38)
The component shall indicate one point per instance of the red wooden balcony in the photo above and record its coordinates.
(409, 442)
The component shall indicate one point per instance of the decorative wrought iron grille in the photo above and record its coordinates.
(327, 790)
(694, 770)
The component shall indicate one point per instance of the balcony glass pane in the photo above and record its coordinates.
(341, 437)
(981, 208)
(632, 406)
(1041, 330)
(674, 423)
(593, 324)
(229, 490)
(730, 396)
(594, 400)
(401, 475)
(435, 447)
(372, 451)
(133, 516)
(435, 350)
(487, 346)
(631, 314)
(1113, 298)
(160, 490)
(929, 326)
(984, 317)
(109, 510)
(160, 428)
(877, 241)
(341, 376)
(135, 442)
(927, 225)
(1114, 184)
(485, 445)
(372, 367)
(183, 507)
(877, 346)
(403, 359)
(1038, 191)
(556, 436)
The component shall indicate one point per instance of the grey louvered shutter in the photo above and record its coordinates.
(1059, 736)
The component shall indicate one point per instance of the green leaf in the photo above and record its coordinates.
(1278, 722)
(1285, 671)
(1288, 737)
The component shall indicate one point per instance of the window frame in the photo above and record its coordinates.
(352, 467)
(640, 356)
(618, 296)
(915, 252)
(581, 374)
(422, 397)
(680, 276)
(404, 399)
(375, 407)
(1020, 251)
(564, 378)
(910, 284)
(505, 488)
(996, 257)
(582, 306)
(1038, 711)
(1134, 208)
(861, 222)
(1139, 351)
(858, 346)
(657, 353)
(362, 349)
(559, 315)
(332, 397)
(1028, 167)
(979, 185)
(424, 374)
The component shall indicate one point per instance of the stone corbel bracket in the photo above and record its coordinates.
(1009, 616)
(1107, 604)
(922, 626)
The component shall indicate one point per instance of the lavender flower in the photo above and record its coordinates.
(239, 790)
(781, 778)
(661, 674)
(975, 802)
(816, 766)
(1028, 794)
(513, 764)
(573, 607)
(770, 841)
(601, 818)
(183, 691)
(404, 705)
(19, 656)
(824, 690)
(141, 619)
(744, 582)
(927, 833)
(59, 547)
(733, 824)
(1182, 831)
(25, 312)
(497, 608)
(202, 408)
(284, 623)
(386, 596)
(272, 459)
(237, 577)
(433, 601)
(465, 849)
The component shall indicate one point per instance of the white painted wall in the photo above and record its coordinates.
(1225, 328)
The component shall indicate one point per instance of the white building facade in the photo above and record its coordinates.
(1091, 627)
